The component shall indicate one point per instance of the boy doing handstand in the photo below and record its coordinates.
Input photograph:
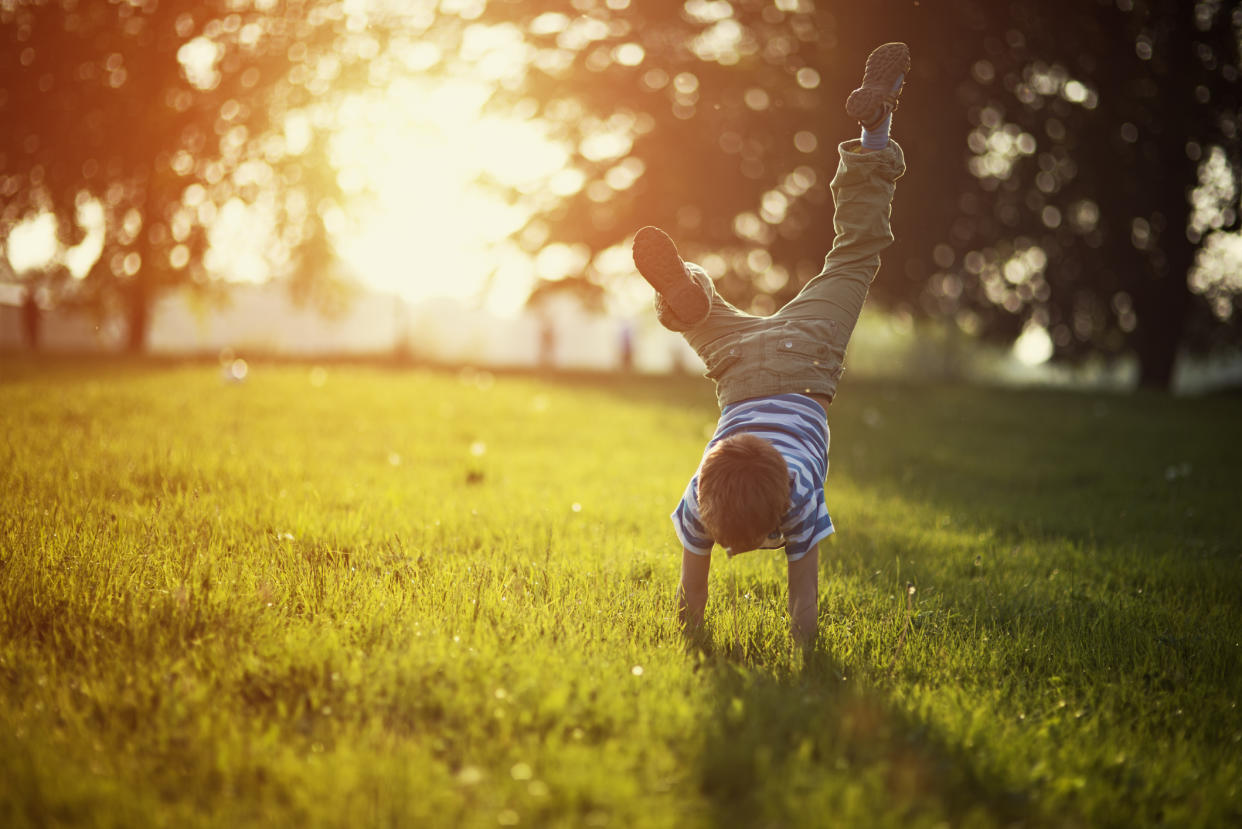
(760, 483)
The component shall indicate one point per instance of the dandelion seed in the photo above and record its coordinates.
(521, 771)
(576, 507)
(637, 670)
(394, 459)
(478, 448)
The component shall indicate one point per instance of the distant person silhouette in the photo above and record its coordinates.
(547, 342)
(627, 347)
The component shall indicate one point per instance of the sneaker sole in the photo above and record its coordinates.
(884, 65)
(657, 260)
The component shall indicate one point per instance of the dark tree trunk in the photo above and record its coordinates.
(1157, 340)
(1162, 297)
(138, 318)
(1163, 300)
(31, 319)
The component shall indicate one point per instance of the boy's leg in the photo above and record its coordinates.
(686, 300)
(862, 192)
(681, 300)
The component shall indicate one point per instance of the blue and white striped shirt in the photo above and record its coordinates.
(798, 428)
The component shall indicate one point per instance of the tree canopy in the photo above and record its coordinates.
(1054, 151)
(1074, 165)
(153, 116)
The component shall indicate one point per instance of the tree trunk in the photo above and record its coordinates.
(137, 317)
(31, 319)
(1163, 301)
(1157, 347)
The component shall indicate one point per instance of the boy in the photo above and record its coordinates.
(761, 480)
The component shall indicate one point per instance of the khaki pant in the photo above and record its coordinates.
(800, 348)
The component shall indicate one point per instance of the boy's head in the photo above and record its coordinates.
(743, 491)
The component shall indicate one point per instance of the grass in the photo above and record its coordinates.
(375, 597)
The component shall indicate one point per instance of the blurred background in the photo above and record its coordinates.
(458, 181)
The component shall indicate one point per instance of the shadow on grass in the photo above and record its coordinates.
(807, 743)
(812, 735)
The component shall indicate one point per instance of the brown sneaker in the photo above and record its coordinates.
(658, 262)
(881, 86)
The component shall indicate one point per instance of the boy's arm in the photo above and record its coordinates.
(804, 597)
(692, 592)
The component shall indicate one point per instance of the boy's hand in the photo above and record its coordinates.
(692, 591)
(804, 598)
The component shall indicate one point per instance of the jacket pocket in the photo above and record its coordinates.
(721, 357)
(790, 353)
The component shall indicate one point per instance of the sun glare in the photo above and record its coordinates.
(423, 221)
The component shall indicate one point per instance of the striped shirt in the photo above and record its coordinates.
(798, 428)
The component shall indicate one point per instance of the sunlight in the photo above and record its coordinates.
(1033, 346)
(32, 243)
(416, 159)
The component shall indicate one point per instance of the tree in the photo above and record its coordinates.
(1093, 123)
(159, 114)
(1050, 159)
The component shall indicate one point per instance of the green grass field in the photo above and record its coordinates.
(370, 597)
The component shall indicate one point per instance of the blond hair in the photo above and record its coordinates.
(743, 491)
